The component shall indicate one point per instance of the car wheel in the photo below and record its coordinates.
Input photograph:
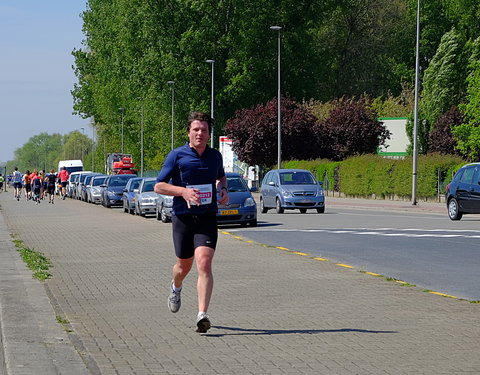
(263, 209)
(278, 207)
(163, 215)
(321, 210)
(453, 210)
(253, 223)
(131, 210)
(158, 215)
(125, 208)
(303, 210)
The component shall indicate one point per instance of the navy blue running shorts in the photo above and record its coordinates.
(192, 231)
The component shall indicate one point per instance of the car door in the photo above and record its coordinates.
(464, 194)
(475, 191)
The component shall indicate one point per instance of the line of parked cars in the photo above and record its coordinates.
(136, 196)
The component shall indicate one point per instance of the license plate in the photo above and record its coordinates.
(229, 212)
(305, 201)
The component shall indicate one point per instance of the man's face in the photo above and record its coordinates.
(198, 134)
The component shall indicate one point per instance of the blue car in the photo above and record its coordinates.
(289, 189)
(241, 208)
(128, 197)
(112, 192)
(463, 193)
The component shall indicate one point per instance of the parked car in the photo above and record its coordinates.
(145, 197)
(112, 191)
(87, 185)
(286, 189)
(94, 191)
(164, 207)
(81, 183)
(463, 193)
(72, 184)
(241, 208)
(128, 197)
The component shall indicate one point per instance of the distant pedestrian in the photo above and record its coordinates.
(196, 171)
(17, 183)
(63, 176)
(27, 185)
(50, 179)
(2, 180)
(36, 187)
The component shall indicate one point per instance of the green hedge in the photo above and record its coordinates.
(368, 175)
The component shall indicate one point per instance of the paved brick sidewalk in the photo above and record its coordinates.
(273, 312)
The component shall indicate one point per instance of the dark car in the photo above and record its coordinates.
(113, 189)
(241, 208)
(128, 198)
(463, 193)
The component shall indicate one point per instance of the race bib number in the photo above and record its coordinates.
(205, 193)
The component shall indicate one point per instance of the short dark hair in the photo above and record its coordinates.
(200, 116)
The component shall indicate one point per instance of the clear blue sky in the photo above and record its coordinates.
(36, 76)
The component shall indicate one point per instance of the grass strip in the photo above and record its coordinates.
(35, 261)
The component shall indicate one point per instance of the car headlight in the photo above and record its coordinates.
(320, 193)
(287, 193)
(249, 202)
(110, 193)
(168, 201)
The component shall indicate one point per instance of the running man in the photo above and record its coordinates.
(50, 179)
(63, 176)
(196, 171)
(27, 184)
(17, 183)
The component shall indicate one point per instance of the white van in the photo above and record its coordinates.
(71, 165)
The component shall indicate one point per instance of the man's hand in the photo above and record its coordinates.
(223, 196)
(191, 196)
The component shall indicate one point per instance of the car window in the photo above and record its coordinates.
(135, 184)
(296, 178)
(88, 179)
(148, 186)
(467, 176)
(267, 178)
(98, 181)
(117, 181)
(236, 184)
(476, 176)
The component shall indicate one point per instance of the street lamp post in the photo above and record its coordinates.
(122, 111)
(141, 139)
(81, 142)
(212, 100)
(172, 85)
(279, 118)
(415, 119)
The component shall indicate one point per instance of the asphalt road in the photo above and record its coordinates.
(425, 249)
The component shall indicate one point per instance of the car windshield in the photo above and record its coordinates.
(236, 184)
(118, 181)
(296, 178)
(148, 186)
(98, 181)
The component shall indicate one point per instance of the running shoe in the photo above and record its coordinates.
(174, 300)
(203, 323)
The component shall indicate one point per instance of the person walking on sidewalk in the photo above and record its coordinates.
(63, 176)
(192, 174)
(2, 180)
(17, 183)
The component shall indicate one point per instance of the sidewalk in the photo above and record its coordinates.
(273, 312)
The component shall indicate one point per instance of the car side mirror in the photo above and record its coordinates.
(103, 186)
(320, 183)
(125, 190)
(135, 190)
(271, 183)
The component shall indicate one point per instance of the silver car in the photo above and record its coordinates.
(145, 197)
(288, 189)
(164, 207)
(94, 191)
